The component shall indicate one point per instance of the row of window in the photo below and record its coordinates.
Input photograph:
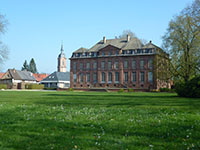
(116, 76)
(110, 53)
(115, 65)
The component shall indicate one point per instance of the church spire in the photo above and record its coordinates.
(62, 50)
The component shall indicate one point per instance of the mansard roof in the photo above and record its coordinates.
(121, 43)
(81, 50)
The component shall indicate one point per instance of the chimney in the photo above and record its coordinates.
(104, 40)
(128, 38)
(150, 41)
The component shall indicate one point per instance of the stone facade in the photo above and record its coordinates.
(113, 67)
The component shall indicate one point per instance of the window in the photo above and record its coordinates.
(116, 52)
(133, 64)
(138, 51)
(63, 62)
(109, 53)
(95, 77)
(94, 65)
(134, 76)
(116, 65)
(110, 77)
(81, 77)
(146, 50)
(88, 66)
(109, 65)
(103, 77)
(142, 76)
(74, 77)
(103, 53)
(88, 77)
(81, 66)
(126, 64)
(150, 76)
(150, 64)
(125, 76)
(116, 76)
(141, 64)
(74, 66)
(102, 65)
(124, 52)
(130, 51)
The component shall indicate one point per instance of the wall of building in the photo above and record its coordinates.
(120, 59)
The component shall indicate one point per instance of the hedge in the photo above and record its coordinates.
(3, 86)
(34, 86)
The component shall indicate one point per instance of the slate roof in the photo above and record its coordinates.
(21, 75)
(122, 43)
(81, 50)
(58, 76)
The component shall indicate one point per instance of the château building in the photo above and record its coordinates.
(116, 63)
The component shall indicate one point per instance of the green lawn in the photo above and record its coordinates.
(92, 121)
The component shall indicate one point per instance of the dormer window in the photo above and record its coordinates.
(138, 51)
(116, 52)
(124, 52)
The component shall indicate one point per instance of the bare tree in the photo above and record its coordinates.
(127, 32)
(3, 48)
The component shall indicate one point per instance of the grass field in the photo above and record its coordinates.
(98, 121)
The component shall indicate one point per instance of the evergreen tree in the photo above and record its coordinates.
(32, 66)
(25, 66)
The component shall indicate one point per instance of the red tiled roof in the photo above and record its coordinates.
(1, 75)
(40, 77)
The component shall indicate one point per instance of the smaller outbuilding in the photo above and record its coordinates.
(16, 79)
(57, 80)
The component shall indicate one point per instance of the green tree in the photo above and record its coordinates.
(182, 41)
(32, 66)
(3, 48)
(25, 66)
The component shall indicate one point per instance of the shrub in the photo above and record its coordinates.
(3, 86)
(130, 90)
(164, 90)
(50, 88)
(121, 90)
(189, 89)
(71, 89)
(34, 86)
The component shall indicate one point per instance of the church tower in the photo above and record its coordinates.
(62, 67)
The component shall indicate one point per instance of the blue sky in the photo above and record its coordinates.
(37, 28)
